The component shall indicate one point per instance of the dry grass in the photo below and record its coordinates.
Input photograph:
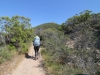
(8, 66)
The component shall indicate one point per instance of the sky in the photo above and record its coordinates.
(44, 11)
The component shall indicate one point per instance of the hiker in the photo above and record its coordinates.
(36, 44)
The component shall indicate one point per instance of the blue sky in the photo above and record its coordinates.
(44, 11)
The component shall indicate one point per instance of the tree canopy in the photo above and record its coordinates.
(17, 31)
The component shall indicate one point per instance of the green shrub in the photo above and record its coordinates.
(5, 54)
(24, 48)
(11, 47)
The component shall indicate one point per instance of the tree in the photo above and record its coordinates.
(17, 31)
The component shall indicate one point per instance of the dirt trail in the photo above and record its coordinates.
(29, 66)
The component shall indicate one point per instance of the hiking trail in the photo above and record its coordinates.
(29, 66)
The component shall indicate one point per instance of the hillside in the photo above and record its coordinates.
(72, 47)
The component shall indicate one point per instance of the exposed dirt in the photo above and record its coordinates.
(7, 67)
(25, 65)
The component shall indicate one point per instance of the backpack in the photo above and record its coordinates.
(36, 41)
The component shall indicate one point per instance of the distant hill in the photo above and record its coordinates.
(47, 25)
(42, 27)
